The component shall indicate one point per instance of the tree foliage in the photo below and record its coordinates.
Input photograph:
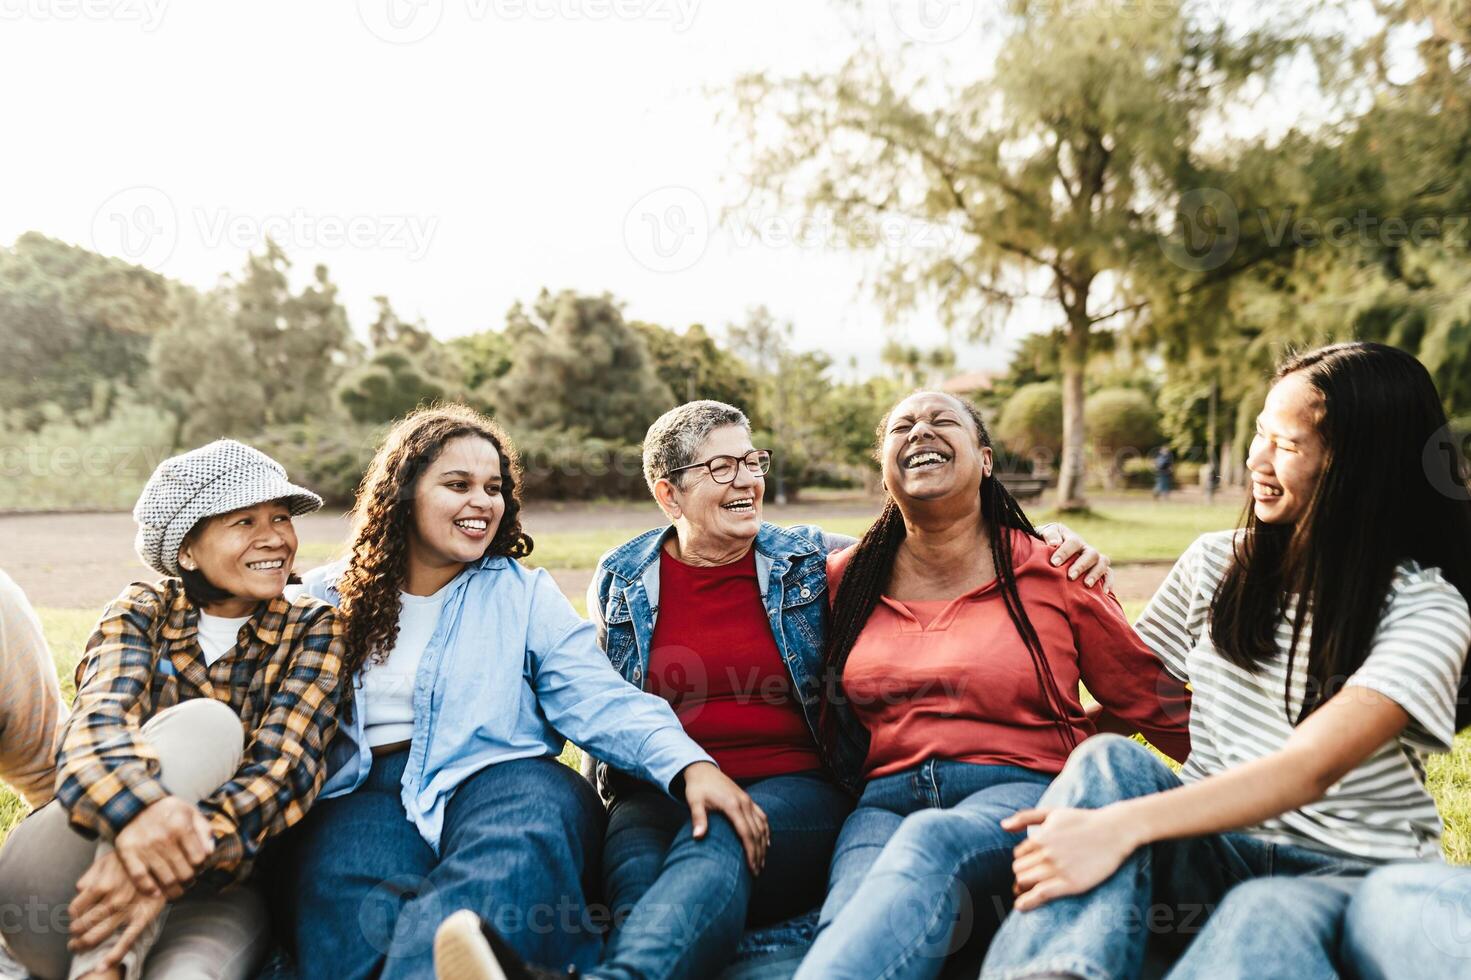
(579, 367)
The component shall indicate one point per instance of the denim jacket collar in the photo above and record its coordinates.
(639, 558)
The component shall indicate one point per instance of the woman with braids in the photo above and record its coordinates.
(959, 648)
(1324, 643)
(469, 671)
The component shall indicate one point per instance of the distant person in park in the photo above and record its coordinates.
(470, 670)
(1324, 643)
(957, 647)
(724, 616)
(30, 699)
(204, 701)
(1164, 472)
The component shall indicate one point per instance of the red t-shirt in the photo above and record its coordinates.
(952, 679)
(715, 661)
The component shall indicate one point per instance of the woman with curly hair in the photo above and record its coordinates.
(470, 671)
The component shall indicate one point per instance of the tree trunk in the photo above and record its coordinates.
(1072, 473)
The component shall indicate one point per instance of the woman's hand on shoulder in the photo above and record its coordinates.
(1087, 562)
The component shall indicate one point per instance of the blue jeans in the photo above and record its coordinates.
(1410, 920)
(687, 901)
(366, 892)
(1167, 892)
(922, 867)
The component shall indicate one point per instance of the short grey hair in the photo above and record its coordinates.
(678, 434)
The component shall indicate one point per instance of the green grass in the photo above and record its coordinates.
(1143, 530)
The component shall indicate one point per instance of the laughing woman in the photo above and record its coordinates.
(1324, 644)
(959, 647)
(470, 670)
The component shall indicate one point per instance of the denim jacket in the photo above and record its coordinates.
(509, 671)
(791, 572)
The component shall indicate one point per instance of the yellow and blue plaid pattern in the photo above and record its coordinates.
(284, 680)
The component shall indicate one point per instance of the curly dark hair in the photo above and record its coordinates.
(867, 576)
(383, 520)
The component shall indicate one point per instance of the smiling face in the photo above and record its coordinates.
(931, 450)
(1288, 452)
(247, 553)
(717, 512)
(457, 504)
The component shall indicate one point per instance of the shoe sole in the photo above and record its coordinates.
(461, 952)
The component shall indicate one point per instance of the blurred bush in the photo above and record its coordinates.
(1031, 419)
(63, 464)
(326, 456)
(1123, 426)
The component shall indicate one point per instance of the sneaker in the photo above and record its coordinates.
(465, 948)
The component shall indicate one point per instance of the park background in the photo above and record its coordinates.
(1102, 221)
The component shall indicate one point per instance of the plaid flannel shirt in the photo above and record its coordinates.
(284, 680)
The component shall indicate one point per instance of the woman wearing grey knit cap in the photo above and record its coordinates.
(204, 705)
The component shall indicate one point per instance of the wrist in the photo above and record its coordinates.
(1130, 823)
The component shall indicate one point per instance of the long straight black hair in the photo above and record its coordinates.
(867, 576)
(1391, 488)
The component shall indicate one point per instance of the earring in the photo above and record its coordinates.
(188, 566)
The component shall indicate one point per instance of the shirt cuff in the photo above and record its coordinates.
(668, 752)
(106, 818)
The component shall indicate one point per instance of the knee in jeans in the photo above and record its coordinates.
(207, 722)
(721, 841)
(566, 792)
(1387, 895)
(1102, 768)
(937, 839)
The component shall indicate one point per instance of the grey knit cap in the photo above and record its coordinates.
(215, 479)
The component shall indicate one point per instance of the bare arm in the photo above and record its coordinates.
(30, 700)
(1070, 851)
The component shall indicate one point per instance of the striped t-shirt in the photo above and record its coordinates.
(1380, 811)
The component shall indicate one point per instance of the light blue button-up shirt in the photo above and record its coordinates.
(510, 672)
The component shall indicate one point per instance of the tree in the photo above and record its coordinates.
(694, 366)
(1124, 424)
(792, 395)
(201, 372)
(581, 368)
(389, 386)
(916, 367)
(297, 346)
(250, 354)
(1034, 182)
(77, 326)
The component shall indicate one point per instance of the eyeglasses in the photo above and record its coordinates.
(723, 468)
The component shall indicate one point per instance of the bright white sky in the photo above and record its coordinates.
(456, 155)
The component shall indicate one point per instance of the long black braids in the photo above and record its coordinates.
(867, 576)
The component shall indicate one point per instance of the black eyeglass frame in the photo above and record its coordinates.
(736, 462)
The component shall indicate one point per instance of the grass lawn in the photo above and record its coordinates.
(1127, 532)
